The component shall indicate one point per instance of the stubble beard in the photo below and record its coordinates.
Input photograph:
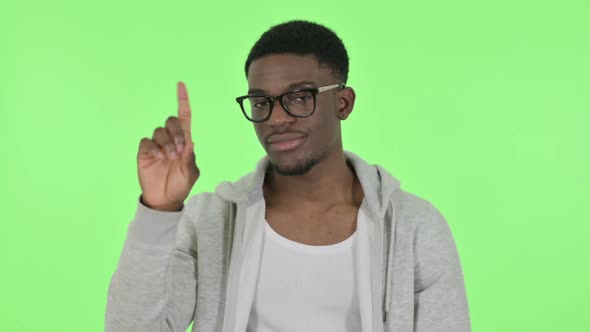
(301, 167)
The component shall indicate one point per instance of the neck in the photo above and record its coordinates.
(329, 182)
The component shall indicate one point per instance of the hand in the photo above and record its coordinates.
(166, 164)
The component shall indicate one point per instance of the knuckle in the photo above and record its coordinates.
(173, 125)
(158, 132)
(171, 120)
(146, 146)
(145, 143)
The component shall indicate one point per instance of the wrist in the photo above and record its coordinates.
(164, 208)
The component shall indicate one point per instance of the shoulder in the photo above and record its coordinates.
(415, 211)
(423, 221)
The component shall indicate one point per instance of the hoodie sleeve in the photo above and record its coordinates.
(440, 298)
(154, 285)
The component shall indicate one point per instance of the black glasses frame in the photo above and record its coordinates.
(272, 99)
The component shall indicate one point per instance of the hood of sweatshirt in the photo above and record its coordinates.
(377, 183)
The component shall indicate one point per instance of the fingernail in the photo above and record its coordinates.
(159, 155)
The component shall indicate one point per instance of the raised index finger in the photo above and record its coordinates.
(184, 111)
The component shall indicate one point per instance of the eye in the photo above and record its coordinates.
(258, 102)
(303, 98)
(299, 97)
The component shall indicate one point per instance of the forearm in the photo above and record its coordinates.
(138, 294)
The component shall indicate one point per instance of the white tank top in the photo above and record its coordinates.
(305, 288)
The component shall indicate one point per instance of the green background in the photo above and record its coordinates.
(482, 108)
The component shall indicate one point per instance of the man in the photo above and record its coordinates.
(315, 239)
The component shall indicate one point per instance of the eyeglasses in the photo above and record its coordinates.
(299, 103)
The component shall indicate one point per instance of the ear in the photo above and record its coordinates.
(345, 101)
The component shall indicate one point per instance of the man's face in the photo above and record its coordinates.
(294, 145)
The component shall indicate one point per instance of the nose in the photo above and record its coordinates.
(279, 117)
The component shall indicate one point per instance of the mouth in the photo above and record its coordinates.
(285, 142)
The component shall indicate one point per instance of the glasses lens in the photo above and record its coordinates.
(300, 103)
(256, 108)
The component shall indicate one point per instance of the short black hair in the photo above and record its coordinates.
(302, 38)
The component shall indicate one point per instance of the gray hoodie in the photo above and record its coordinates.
(201, 263)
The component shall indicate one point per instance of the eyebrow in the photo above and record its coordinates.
(289, 87)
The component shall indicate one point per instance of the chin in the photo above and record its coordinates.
(292, 170)
(296, 166)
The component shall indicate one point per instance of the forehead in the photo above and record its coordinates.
(276, 73)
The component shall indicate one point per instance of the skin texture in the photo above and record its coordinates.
(312, 195)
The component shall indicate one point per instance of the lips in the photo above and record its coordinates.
(285, 142)
(283, 137)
